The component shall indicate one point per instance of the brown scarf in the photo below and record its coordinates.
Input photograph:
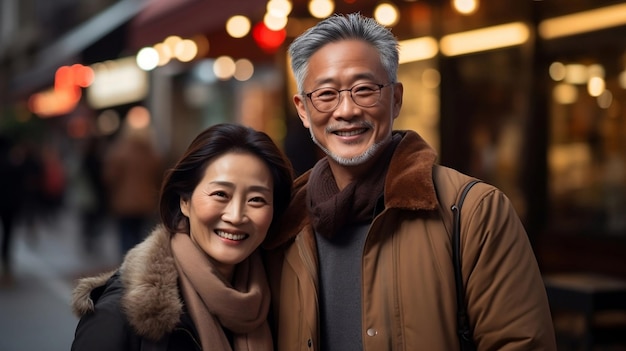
(331, 209)
(214, 303)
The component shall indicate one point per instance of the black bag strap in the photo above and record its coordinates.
(464, 331)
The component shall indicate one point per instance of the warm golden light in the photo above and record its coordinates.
(165, 54)
(387, 14)
(321, 8)
(279, 8)
(238, 26)
(583, 22)
(417, 49)
(557, 71)
(171, 42)
(484, 39)
(186, 50)
(465, 7)
(565, 94)
(243, 70)
(224, 67)
(596, 86)
(431, 78)
(274, 23)
(596, 70)
(576, 73)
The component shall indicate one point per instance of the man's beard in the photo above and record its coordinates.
(355, 160)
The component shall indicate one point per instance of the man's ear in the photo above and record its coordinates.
(300, 103)
(398, 91)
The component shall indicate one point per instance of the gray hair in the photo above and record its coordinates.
(337, 28)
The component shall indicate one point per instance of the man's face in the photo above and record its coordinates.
(351, 134)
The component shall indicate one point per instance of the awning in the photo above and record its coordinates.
(186, 18)
(67, 49)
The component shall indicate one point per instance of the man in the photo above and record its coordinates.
(363, 259)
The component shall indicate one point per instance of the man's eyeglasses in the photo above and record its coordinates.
(327, 99)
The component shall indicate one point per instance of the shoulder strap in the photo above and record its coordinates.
(452, 188)
(464, 331)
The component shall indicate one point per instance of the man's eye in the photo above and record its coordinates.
(364, 89)
(326, 94)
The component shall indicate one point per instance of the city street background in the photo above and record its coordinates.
(48, 257)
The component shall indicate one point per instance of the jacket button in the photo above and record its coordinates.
(309, 343)
(372, 332)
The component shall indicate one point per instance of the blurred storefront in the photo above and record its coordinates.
(582, 93)
(516, 93)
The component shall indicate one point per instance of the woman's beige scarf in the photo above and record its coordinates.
(215, 304)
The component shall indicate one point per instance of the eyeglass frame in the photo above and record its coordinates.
(339, 91)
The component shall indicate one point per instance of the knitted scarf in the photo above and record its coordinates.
(331, 209)
(215, 304)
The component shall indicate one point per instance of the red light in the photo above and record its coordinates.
(63, 78)
(267, 39)
(77, 75)
(83, 76)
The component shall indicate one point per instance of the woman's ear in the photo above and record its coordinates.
(184, 207)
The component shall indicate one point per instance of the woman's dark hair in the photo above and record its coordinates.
(181, 180)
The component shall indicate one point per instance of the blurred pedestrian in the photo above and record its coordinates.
(91, 199)
(54, 178)
(10, 183)
(31, 188)
(132, 172)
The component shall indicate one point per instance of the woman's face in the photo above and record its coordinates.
(231, 209)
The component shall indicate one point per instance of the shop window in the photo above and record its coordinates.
(587, 146)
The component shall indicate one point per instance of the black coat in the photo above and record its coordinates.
(137, 307)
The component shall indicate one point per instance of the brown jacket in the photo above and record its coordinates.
(408, 290)
(132, 174)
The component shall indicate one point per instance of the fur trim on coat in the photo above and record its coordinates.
(151, 299)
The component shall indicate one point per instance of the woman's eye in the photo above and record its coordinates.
(258, 199)
(219, 194)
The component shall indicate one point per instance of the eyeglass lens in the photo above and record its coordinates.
(327, 99)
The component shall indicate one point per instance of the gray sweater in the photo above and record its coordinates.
(340, 288)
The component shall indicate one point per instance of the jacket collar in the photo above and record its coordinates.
(408, 185)
(150, 298)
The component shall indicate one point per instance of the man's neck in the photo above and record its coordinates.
(344, 175)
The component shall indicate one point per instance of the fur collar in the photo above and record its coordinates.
(408, 185)
(151, 298)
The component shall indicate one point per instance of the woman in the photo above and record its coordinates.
(197, 282)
